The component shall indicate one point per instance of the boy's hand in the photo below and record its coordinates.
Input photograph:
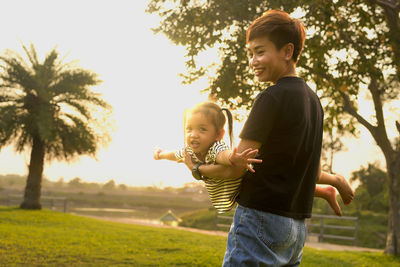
(156, 153)
(244, 159)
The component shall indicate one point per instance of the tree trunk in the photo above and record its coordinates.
(393, 234)
(34, 181)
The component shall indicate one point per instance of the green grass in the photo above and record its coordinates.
(47, 238)
(318, 258)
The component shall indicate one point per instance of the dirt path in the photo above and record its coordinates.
(155, 223)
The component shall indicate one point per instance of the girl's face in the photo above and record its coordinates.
(200, 133)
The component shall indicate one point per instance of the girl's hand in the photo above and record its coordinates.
(244, 159)
(188, 161)
(156, 153)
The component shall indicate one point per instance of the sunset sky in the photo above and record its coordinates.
(140, 80)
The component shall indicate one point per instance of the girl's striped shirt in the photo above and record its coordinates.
(222, 192)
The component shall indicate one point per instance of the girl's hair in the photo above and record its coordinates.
(280, 29)
(215, 113)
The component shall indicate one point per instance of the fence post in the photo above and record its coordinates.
(65, 205)
(356, 232)
(321, 230)
(216, 220)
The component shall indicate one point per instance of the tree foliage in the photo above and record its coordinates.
(348, 44)
(109, 185)
(372, 193)
(352, 52)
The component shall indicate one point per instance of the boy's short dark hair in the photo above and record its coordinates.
(280, 29)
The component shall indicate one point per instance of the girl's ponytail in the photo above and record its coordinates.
(184, 126)
(230, 125)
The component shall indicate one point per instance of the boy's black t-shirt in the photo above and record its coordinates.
(287, 118)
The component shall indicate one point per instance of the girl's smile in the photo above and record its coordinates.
(194, 144)
(200, 133)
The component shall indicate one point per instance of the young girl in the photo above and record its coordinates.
(204, 130)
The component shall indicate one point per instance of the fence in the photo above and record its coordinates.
(323, 225)
(225, 221)
(46, 201)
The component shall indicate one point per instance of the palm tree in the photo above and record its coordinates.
(47, 107)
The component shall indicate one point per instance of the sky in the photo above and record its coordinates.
(140, 80)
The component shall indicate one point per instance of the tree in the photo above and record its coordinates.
(123, 187)
(47, 107)
(76, 183)
(372, 192)
(110, 185)
(352, 48)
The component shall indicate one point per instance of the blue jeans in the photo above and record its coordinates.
(258, 238)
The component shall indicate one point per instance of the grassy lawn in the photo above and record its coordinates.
(47, 238)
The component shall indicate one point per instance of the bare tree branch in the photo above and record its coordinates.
(373, 88)
(348, 107)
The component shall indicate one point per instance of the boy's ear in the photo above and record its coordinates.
(288, 50)
(221, 134)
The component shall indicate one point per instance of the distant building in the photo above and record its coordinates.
(170, 219)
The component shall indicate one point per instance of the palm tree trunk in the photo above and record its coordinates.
(34, 181)
(393, 235)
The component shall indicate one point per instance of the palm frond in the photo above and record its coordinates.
(79, 107)
(46, 74)
(10, 124)
(74, 82)
(15, 74)
(22, 141)
(32, 55)
(50, 60)
(73, 139)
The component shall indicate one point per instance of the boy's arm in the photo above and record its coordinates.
(223, 157)
(225, 171)
(221, 171)
(234, 158)
(319, 171)
(215, 170)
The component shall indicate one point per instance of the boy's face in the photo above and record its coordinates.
(268, 63)
(200, 133)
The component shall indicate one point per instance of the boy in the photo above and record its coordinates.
(285, 124)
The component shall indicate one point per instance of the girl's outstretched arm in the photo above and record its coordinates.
(160, 154)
